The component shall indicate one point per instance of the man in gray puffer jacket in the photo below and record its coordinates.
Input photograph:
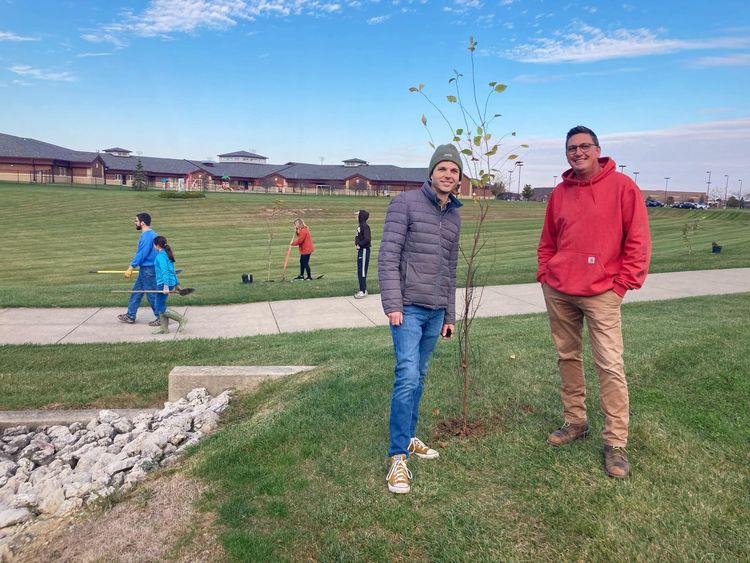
(417, 272)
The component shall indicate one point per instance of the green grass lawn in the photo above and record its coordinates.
(55, 234)
(298, 470)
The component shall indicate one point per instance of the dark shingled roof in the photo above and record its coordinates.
(236, 170)
(151, 165)
(22, 147)
(355, 161)
(116, 149)
(377, 173)
(243, 153)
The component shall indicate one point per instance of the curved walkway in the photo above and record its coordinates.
(96, 324)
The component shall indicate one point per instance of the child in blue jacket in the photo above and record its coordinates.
(166, 280)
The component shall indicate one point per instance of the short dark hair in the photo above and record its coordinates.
(144, 218)
(581, 129)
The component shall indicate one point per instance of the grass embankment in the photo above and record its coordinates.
(56, 234)
(297, 472)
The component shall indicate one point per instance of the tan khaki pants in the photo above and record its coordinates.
(602, 314)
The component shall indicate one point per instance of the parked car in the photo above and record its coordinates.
(701, 206)
(654, 203)
(685, 205)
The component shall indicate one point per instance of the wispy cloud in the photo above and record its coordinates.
(588, 44)
(40, 74)
(10, 36)
(546, 77)
(84, 55)
(21, 83)
(740, 59)
(378, 19)
(166, 17)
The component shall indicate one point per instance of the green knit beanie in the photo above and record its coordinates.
(449, 153)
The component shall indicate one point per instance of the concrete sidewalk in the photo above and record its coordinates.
(95, 324)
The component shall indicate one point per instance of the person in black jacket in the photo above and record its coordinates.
(362, 244)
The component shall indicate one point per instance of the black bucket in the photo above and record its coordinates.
(716, 249)
(247, 278)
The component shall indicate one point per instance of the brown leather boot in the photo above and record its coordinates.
(616, 462)
(567, 433)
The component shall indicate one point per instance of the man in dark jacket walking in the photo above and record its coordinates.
(417, 273)
(362, 244)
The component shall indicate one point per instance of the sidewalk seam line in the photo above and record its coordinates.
(72, 330)
(270, 308)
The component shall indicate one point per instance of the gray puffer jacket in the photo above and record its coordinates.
(419, 252)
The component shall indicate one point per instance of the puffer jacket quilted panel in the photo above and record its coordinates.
(419, 253)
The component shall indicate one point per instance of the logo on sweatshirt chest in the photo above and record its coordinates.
(592, 259)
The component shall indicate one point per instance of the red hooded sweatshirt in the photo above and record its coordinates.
(304, 241)
(595, 235)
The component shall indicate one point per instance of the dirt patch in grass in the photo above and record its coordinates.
(475, 428)
(157, 521)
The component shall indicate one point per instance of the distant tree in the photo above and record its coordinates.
(528, 192)
(269, 183)
(139, 177)
(498, 188)
(733, 202)
(702, 198)
(670, 200)
(649, 198)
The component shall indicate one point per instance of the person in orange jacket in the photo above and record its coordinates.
(306, 248)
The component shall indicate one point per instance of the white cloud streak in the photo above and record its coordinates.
(84, 55)
(39, 74)
(166, 17)
(589, 44)
(741, 59)
(378, 19)
(10, 36)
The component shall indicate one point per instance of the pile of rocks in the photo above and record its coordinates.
(52, 470)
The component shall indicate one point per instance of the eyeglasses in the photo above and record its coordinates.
(585, 147)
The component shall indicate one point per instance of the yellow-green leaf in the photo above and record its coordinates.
(525, 146)
(452, 99)
(487, 136)
(456, 139)
(421, 86)
(479, 131)
(500, 88)
(491, 152)
(477, 140)
(413, 89)
(466, 151)
(492, 84)
(512, 157)
(459, 131)
(424, 120)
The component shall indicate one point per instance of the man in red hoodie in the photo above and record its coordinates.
(595, 246)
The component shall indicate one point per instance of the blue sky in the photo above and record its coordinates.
(665, 84)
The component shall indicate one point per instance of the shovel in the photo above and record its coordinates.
(120, 271)
(181, 291)
(286, 260)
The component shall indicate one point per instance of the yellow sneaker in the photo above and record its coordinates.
(399, 477)
(420, 449)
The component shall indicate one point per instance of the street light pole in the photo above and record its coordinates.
(666, 185)
(519, 164)
(635, 177)
(740, 181)
(708, 187)
(554, 181)
(726, 189)
(622, 167)
(510, 178)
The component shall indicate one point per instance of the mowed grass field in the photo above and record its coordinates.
(297, 471)
(55, 234)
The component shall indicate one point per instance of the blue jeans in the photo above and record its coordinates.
(146, 280)
(413, 344)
